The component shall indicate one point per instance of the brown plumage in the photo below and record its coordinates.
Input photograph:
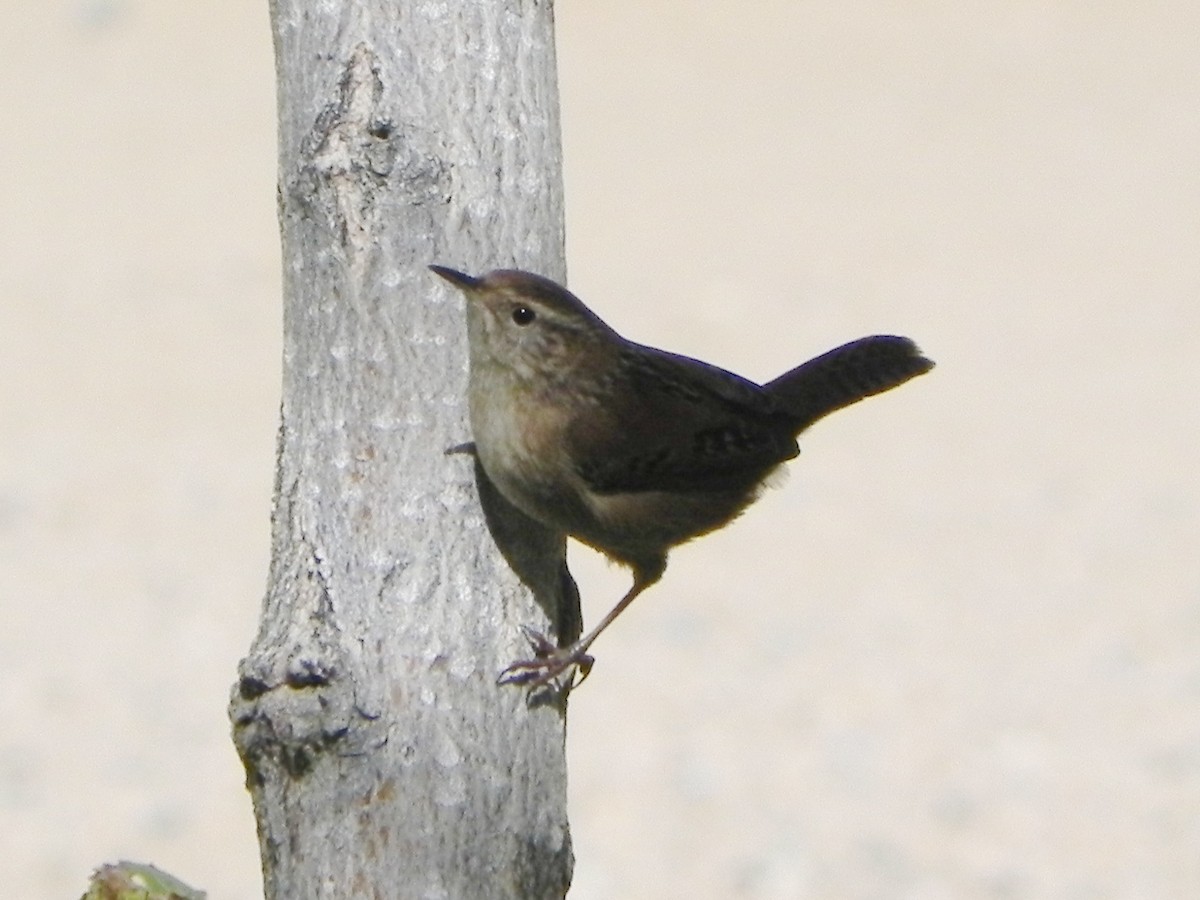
(630, 449)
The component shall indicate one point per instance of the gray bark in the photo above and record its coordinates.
(381, 757)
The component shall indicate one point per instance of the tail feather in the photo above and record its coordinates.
(845, 375)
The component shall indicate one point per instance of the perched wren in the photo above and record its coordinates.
(629, 449)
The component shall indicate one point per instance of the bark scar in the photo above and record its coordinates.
(295, 696)
(350, 149)
(357, 157)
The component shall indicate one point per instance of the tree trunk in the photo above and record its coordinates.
(382, 758)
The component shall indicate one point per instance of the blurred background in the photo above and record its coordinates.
(957, 655)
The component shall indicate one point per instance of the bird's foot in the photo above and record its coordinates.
(549, 661)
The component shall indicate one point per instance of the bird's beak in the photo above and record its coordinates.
(458, 279)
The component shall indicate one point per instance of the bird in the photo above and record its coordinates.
(627, 448)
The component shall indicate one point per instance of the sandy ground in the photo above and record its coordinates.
(956, 656)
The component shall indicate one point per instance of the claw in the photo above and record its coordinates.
(541, 645)
(548, 662)
(584, 667)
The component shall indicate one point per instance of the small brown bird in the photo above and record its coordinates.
(630, 449)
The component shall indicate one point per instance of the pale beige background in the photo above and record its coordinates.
(957, 655)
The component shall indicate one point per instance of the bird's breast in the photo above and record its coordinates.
(520, 437)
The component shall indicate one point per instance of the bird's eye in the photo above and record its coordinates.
(522, 315)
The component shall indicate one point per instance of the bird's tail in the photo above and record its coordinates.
(845, 375)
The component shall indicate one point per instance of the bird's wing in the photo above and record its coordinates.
(690, 427)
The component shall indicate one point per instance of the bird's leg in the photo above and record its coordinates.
(549, 660)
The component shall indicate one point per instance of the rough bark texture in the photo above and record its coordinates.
(382, 759)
